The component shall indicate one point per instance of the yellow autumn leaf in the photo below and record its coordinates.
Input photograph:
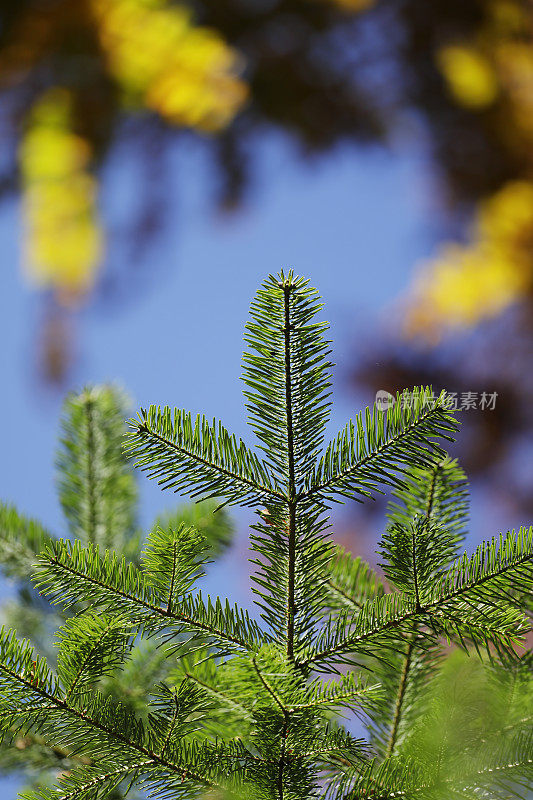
(470, 76)
(186, 73)
(467, 283)
(63, 241)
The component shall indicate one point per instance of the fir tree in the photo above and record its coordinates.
(249, 707)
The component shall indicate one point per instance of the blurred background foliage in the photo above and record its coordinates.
(78, 76)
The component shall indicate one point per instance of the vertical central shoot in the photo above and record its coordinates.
(291, 496)
(287, 378)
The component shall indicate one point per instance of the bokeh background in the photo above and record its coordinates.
(159, 158)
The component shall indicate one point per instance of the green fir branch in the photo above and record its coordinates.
(97, 488)
(200, 459)
(458, 605)
(90, 647)
(287, 376)
(350, 582)
(438, 493)
(123, 735)
(365, 456)
(21, 541)
(69, 573)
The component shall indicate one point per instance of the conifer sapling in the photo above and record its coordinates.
(252, 706)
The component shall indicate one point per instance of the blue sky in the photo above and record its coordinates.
(354, 223)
